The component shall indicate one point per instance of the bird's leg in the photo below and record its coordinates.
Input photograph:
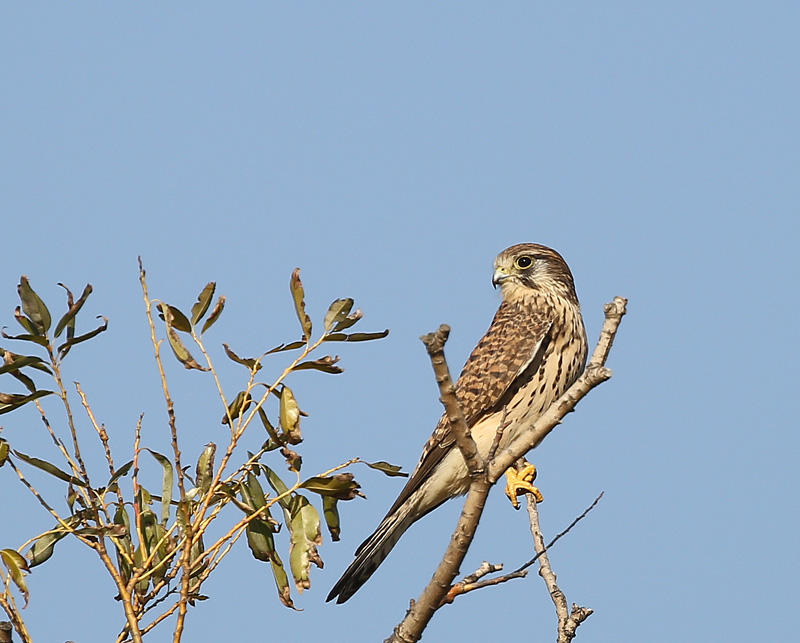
(519, 481)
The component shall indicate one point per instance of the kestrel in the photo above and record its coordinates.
(533, 351)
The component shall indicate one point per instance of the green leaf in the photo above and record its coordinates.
(236, 409)
(16, 564)
(15, 362)
(144, 498)
(199, 563)
(391, 470)
(181, 352)
(290, 416)
(4, 448)
(249, 362)
(72, 309)
(282, 582)
(177, 319)
(11, 401)
(139, 556)
(298, 295)
(122, 542)
(325, 364)
(33, 307)
(330, 510)
(122, 471)
(215, 314)
(203, 302)
(355, 337)
(26, 323)
(259, 531)
(348, 321)
(36, 339)
(337, 312)
(305, 535)
(27, 382)
(52, 469)
(285, 347)
(166, 484)
(42, 548)
(262, 414)
(260, 540)
(12, 556)
(205, 468)
(64, 348)
(341, 486)
(278, 485)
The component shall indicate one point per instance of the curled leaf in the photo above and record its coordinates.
(298, 295)
(290, 416)
(293, 459)
(282, 582)
(341, 486)
(348, 321)
(249, 362)
(64, 348)
(304, 530)
(73, 307)
(389, 469)
(215, 314)
(181, 352)
(16, 564)
(325, 364)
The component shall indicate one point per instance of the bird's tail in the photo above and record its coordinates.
(373, 551)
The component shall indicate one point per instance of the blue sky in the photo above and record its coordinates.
(391, 150)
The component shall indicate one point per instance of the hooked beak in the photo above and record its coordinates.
(498, 277)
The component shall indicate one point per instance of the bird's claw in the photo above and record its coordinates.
(519, 482)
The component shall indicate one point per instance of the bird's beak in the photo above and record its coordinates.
(499, 275)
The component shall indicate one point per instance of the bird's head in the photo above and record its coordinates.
(530, 266)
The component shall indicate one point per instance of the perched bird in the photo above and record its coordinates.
(533, 351)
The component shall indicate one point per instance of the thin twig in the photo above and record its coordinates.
(568, 621)
(470, 583)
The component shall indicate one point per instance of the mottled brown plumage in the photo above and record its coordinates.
(533, 351)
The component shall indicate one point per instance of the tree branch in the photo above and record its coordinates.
(419, 615)
(434, 343)
(568, 621)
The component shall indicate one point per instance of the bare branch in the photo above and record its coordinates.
(434, 343)
(568, 621)
(472, 582)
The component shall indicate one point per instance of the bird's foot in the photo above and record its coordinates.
(519, 482)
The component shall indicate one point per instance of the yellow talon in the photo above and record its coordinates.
(519, 482)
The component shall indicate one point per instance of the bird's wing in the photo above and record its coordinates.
(515, 338)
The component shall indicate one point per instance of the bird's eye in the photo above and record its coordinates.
(523, 262)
